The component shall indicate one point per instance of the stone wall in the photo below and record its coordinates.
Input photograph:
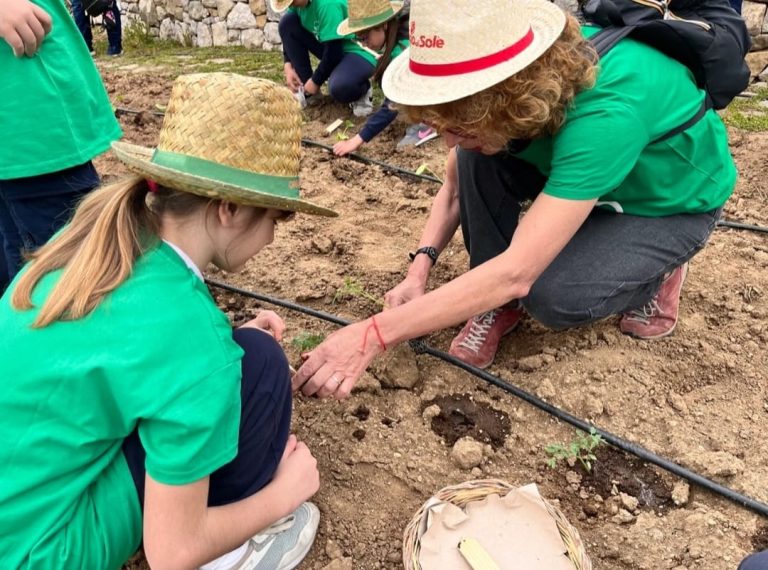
(251, 23)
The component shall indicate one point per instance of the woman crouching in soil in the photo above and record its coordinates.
(128, 407)
(616, 213)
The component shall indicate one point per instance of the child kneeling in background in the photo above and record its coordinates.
(131, 408)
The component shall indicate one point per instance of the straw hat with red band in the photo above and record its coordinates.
(366, 14)
(460, 47)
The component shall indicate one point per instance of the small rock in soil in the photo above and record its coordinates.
(322, 244)
(681, 492)
(399, 370)
(630, 503)
(677, 402)
(715, 463)
(467, 453)
(430, 412)
(546, 389)
(531, 363)
(624, 517)
(340, 564)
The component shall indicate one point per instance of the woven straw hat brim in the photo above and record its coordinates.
(280, 5)
(403, 86)
(345, 29)
(138, 159)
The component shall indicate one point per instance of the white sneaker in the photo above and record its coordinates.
(283, 545)
(363, 106)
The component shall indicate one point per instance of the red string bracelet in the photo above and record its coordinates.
(152, 185)
(378, 333)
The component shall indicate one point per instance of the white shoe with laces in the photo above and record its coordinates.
(284, 544)
(363, 106)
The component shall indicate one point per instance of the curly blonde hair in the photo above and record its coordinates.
(529, 104)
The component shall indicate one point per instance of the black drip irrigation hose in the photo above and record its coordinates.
(366, 160)
(420, 347)
(405, 172)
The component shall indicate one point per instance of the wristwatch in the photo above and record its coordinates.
(429, 251)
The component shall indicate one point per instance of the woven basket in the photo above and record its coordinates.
(469, 491)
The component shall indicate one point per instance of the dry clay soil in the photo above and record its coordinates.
(698, 397)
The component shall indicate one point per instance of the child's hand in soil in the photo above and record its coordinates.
(297, 473)
(292, 79)
(268, 321)
(345, 147)
(23, 26)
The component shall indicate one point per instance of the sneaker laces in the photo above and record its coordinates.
(645, 313)
(478, 330)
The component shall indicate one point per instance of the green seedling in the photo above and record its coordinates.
(580, 449)
(425, 169)
(353, 288)
(307, 341)
(343, 134)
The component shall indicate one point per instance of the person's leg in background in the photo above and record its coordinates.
(736, 5)
(298, 43)
(33, 209)
(114, 26)
(83, 22)
(350, 79)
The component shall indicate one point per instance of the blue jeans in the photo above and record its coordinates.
(32, 209)
(265, 422)
(614, 263)
(736, 5)
(350, 78)
(83, 22)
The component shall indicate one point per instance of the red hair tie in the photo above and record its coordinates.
(152, 185)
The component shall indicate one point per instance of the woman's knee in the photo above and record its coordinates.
(556, 307)
(345, 89)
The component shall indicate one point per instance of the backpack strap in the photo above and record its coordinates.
(604, 40)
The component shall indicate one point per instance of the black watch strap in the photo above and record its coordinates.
(429, 251)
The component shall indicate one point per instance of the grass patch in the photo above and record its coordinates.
(139, 48)
(749, 114)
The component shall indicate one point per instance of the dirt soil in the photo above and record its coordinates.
(698, 398)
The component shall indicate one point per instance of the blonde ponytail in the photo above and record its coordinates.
(110, 229)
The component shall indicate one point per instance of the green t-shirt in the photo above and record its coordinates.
(322, 18)
(156, 353)
(54, 110)
(605, 149)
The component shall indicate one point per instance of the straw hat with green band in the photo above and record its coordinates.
(228, 137)
(365, 14)
(280, 5)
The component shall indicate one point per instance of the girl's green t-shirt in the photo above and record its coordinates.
(605, 149)
(54, 110)
(322, 18)
(156, 353)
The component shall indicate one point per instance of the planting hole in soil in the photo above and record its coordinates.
(460, 416)
(760, 538)
(629, 475)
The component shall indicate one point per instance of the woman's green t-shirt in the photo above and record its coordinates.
(157, 354)
(605, 149)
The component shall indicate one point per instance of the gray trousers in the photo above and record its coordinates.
(614, 263)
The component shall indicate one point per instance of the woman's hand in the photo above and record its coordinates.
(408, 289)
(23, 26)
(292, 79)
(268, 321)
(297, 474)
(350, 145)
(333, 368)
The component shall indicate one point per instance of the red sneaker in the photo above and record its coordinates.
(478, 341)
(658, 318)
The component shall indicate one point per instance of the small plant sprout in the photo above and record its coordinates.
(353, 288)
(306, 341)
(343, 134)
(425, 169)
(580, 449)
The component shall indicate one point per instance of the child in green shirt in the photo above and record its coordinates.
(130, 408)
(311, 27)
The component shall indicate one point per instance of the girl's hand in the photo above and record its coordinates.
(292, 79)
(407, 290)
(23, 26)
(345, 147)
(333, 368)
(297, 474)
(269, 322)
